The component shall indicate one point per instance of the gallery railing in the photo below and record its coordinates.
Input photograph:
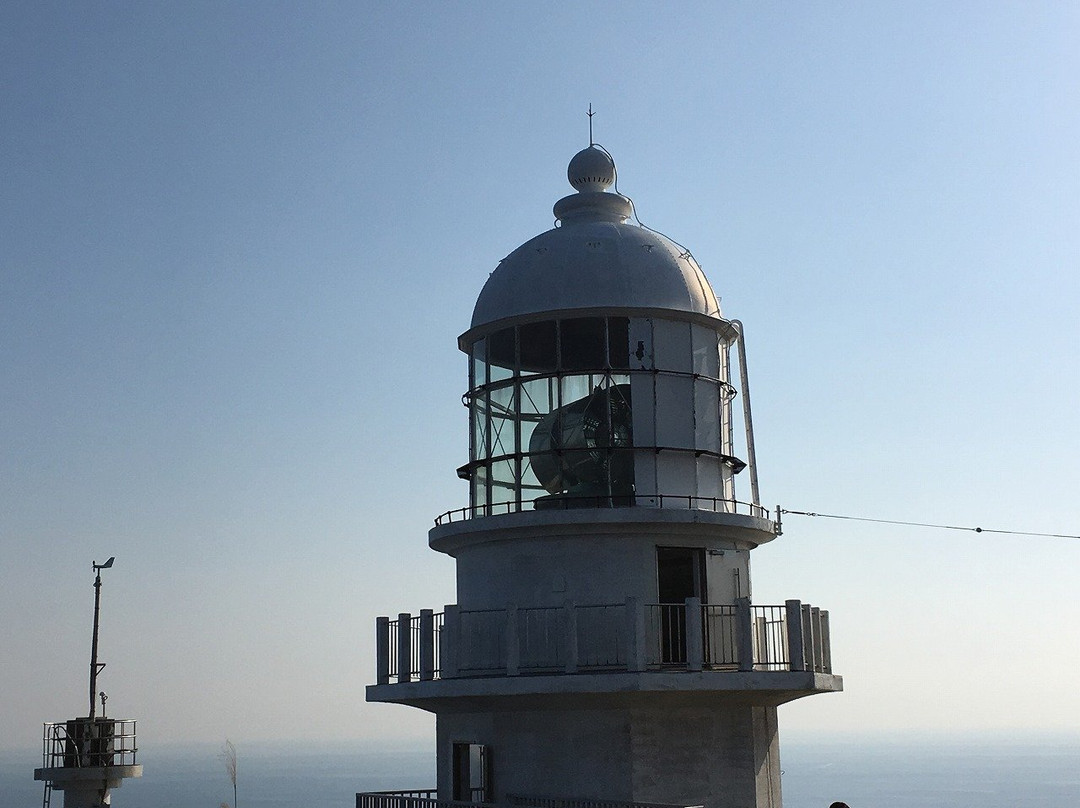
(668, 501)
(596, 638)
(427, 798)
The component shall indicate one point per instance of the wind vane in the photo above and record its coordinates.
(590, 114)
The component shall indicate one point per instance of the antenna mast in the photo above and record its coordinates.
(590, 114)
(95, 668)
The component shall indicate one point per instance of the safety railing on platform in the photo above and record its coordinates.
(427, 798)
(672, 501)
(596, 638)
(89, 743)
(420, 798)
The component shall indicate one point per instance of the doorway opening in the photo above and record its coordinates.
(472, 780)
(680, 574)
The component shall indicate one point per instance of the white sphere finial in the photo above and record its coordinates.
(591, 169)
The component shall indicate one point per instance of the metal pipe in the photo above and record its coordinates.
(748, 421)
(93, 647)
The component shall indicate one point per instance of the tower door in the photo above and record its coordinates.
(472, 773)
(680, 574)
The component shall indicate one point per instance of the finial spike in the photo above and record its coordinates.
(591, 113)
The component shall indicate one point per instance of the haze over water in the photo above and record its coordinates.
(866, 773)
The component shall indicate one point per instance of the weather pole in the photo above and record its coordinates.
(94, 667)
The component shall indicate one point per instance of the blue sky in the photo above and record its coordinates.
(238, 242)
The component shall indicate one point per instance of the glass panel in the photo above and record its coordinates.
(674, 411)
(479, 448)
(503, 482)
(574, 388)
(502, 420)
(478, 371)
(706, 415)
(537, 347)
(583, 343)
(706, 354)
(530, 486)
(619, 342)
(479, 488)
(671, 346)
(501, 355)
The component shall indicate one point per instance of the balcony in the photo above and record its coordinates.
(628, 637)
(565, 503)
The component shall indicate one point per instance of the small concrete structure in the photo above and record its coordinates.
(86, 758)
(604, 649)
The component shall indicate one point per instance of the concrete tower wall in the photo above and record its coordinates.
(598, 564)
(715, 752)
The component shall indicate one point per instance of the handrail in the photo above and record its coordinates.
(88, 743)
(603, 637)
(674, 501)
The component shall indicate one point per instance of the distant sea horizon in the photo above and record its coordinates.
(882, 771)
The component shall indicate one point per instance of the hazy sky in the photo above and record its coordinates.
(238, 242)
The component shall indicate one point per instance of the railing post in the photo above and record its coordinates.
(807, 637)
(695, 650)
(427, 645)
(571, 638)
(404, 647)
(796, 653)
(449, 642)
(382, 650)
(826, 645)
(513, 650)
(744, 634)
(815, 642)
(634, 626)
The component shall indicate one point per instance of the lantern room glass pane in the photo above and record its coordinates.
(504, 481)
(503, 420)
(583, 343)
(618, 342)
(538, 347)
(478, 369)
(706, 351)
(501, 355)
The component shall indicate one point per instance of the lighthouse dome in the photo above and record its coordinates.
(594, 259)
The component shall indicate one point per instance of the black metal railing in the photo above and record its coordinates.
(670, 501)
(89, 743)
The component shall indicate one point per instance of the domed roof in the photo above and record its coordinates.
(595, 259)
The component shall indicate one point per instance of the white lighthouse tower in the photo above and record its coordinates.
(604, 649)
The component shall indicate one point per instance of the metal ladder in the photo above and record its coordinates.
(46, 799)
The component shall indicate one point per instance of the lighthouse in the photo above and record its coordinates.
(604, 649)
